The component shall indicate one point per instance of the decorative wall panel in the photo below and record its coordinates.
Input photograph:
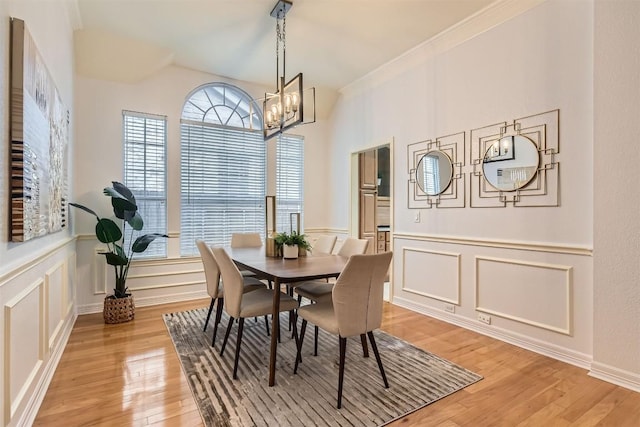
(39, 141)
(24, 340)
(54, 291)
(544, 300)
(433, 274)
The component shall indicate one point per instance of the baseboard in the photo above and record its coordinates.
(615, 376)
(541, 347)
(147, 301)
(33, 406)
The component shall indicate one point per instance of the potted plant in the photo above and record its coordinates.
(119, 307)
(293, 245)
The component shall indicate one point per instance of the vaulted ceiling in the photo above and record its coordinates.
(333, 42)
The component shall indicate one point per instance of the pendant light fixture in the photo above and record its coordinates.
(285, 108)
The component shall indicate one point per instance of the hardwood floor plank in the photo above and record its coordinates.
(130, 375)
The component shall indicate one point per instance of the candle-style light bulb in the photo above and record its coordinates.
(287, 104)
(295, 101)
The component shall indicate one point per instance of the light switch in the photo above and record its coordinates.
(416, 216)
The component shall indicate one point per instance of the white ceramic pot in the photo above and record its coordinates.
(290, 251)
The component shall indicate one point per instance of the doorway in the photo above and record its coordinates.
(372, 200)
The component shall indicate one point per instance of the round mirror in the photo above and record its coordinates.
(434, 172)
(511, 162)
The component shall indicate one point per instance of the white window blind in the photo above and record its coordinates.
(223, 184)
(145, 140)
(431, 173)
(289, 181)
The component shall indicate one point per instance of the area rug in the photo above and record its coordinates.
(416, 377)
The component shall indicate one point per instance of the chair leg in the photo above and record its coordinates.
(238, 343)
(375, 351)
(303, 328)
(279, 327)
(343, 350)
(365, 347)
(294, 316)
(216, 322)
(266, 324)
(206, 322)
(315, 341)
(226, 335)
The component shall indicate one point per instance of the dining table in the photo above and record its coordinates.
(281, 271)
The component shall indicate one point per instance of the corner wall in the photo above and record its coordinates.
(37, 278)
(529, 268)
(616, 350)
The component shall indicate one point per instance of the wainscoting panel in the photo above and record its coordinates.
(430, 273)
(54, 289)
(69, 296)
(543, 300)
(37, 297)
(24, 342)
(100, 274)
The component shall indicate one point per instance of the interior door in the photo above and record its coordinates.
(368, 182)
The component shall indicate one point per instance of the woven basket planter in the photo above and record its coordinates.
(118, 310)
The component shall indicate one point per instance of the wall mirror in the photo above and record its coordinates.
(434, 172)
(511, 162)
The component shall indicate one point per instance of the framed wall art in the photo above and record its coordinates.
(39, 143)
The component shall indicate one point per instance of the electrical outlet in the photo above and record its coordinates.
(416, 216)
(484, 318)
(450, 308)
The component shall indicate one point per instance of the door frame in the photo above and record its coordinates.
(354, 196)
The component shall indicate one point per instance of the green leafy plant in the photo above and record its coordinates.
(110, 233)
(292, 239)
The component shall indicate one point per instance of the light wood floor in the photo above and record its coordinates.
(129, 375)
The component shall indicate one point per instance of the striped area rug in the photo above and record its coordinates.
(416, 377)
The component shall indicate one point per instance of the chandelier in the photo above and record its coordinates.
(285, 108)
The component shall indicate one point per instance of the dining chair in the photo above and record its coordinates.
(355, 308)
(240, 305)
(215, 289)
(324, 244)
(318, 290)
(246, 240)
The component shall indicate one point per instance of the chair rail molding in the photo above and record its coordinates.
(499, 244)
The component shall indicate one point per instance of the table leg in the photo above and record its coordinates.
(274, 328)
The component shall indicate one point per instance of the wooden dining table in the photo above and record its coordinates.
(284, 271)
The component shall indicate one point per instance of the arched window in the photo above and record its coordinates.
(223, 166)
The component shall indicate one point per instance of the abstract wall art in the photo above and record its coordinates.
(39, 143)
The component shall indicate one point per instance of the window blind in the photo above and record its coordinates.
(222, 183)
(431, 172)
(145, 140)
(289, 181)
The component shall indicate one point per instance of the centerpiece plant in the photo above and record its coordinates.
(287, 241)
(112, 234)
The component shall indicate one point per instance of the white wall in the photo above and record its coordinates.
(616, 350)
(98, 159)
(531, 269)
(37, 278)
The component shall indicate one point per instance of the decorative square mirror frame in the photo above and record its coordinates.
(454, 195)
(543, 189)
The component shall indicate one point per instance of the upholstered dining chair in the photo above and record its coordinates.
(246, 240)
(216, 291)
(355, 308)
(324, 244)
(318, 290)
(240, 305)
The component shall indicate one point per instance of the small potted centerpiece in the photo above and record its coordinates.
(293, 244)
(119, 307)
